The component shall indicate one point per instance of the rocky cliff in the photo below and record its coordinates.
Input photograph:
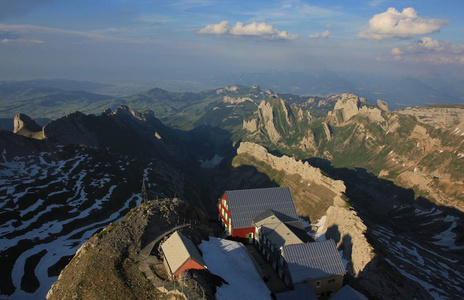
(440, 116)
(349, 105)
(24, 125)
(312, 191)
(348, 230)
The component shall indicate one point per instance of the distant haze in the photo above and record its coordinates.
(404, 53)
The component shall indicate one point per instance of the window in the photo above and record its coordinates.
(318, 284)
(329, 293)
(331, 280)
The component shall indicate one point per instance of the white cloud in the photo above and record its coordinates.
(254, 29)
(20, 41)
(405, 24)
(430, 51)
(220, 28)
(324, 34)
(40, 33)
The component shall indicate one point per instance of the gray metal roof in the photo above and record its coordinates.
(275, 215)
(178, 249)
(348, 293)
(312, 261)
(246, 205)
(279, 234)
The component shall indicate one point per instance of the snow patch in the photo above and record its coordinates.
(231, 261)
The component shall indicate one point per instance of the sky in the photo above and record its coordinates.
(135, 40)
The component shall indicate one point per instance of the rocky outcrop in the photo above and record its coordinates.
(266, 118)
(451, 117)
(327, 131)
(291, 166)
(24, 125)
(349, 105)
(382, 105)
(277, 122)
(346, 107)
(232, 88)
(251, 126)
(347, 229)
(236, 100)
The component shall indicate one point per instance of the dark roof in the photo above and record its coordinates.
(246, 205)
(348, 293)
(310, 261)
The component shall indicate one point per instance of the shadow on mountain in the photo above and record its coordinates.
(413, 238)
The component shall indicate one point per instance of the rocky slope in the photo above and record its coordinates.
(400, 146)
(389, 240)
(56, 192)
(106, 266)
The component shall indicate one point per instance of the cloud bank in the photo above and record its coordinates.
(254, 29)
(404, 24)
(430, 51)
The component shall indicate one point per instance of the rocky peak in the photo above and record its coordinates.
(382, 105)
(24, 125)
(232, 88)
(71, 129)
(127, 111)
(266, 118)
(349, 105)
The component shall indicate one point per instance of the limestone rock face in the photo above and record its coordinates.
(346, 107)
(24, 125)
(291, 166)
(251, 126)
(349, 105)
(232, 88)
(327, 131)
(442, 117)
(347, 229)
(236, 100)
(382, 105)
(266, 117)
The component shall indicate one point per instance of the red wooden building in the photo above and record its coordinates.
(238, 208)
(181, 254)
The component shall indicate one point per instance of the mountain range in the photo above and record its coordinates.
(398, 174)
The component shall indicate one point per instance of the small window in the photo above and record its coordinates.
(329, 293)
(318, 284)
(331, 280)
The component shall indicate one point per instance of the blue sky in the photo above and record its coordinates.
(139, 39)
